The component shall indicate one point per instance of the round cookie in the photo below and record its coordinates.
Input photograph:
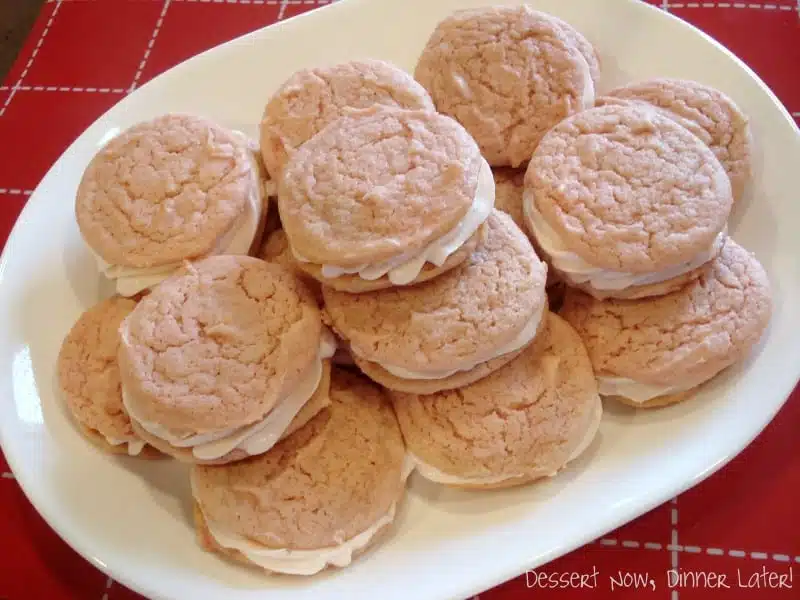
(324, 495)
(88, 375)
(174, 188)
(385, 197)
(708, 113)
(508, 74)
(657, 351)
(523, 422)
(219, 359)
(312, 98)
(451, 330)
(626, 203)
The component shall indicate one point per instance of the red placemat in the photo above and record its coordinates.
(739, 529)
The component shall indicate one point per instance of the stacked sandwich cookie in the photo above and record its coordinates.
(385, 197)
(451, 330)
(525, 421)
(219, 362)
(656, 351)
(453, 270)
(322, 496)
(175, 188)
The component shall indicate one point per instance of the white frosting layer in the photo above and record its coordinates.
(635, 391)
(135, 447)
(299, 562)
(522, 339)
(132, 280)
(578, 271)
(253, 439)
(304, 562)
(405, 268)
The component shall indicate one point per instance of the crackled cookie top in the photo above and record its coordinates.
(526, 419)
(217, 345)
(627, 189)
(285, 498)
(584, 46)
(508, 74)
(163, 191)
(88, 372)
(447, 322)
(509, 185)
(708, 113)
(687, 336)
(312, 98)
(376, 185)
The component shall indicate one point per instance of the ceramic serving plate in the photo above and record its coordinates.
(132, 519)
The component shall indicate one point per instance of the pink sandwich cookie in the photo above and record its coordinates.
(454, 329)
(319, 498)
(88, 376)
(525, 421)
(507, 74)
(656, 351)
(383, 198)
(626, 203)
(175, 188)
(223, 359)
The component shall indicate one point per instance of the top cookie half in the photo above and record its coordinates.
(166, 190)
(381, 185)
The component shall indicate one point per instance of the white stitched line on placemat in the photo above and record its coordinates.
(673, 519)
(150, 45)
(8, 475)
(729, 5)
(282, 9)
(109, 583)
(36, 49)
(612, 542)
(15, 192)
(61, 88)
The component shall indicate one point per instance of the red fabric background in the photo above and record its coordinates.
(85, 55)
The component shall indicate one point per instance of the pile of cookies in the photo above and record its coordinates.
(440, 273)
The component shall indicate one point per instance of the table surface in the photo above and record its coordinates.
(82, 56)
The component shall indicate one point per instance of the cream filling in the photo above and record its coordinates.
(435, 475)
(135, 447)
(253, 439)
(578, 271)
(522, 339)
(132, 280)
(405, 268)
(636, 391)
(304, 562)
